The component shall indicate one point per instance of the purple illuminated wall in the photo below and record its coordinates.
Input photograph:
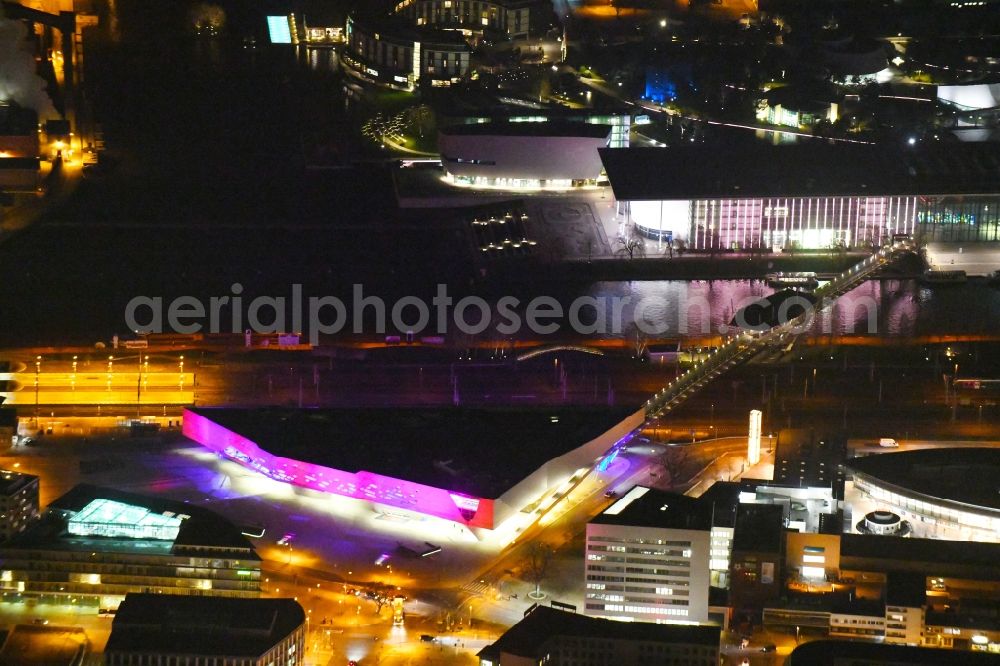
(472, 511)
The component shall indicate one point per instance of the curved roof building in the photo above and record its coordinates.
(523, 155)
(954, 489)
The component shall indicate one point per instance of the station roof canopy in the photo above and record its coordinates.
(808, 169)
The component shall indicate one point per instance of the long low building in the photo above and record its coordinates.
(191, 631)
(554, 154)
(474, 467)
(386, 50)
(808, 195)
(95, 545)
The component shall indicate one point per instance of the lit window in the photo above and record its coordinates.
(813, 572)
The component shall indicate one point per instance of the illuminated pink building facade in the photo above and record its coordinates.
(775, 222)
(412, 498)
(472, 511)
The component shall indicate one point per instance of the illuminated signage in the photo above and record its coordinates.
(465, 503)
(278, 30)
(753, 438)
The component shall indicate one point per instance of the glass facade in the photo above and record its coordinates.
(959, 218)
(107, 518)
(816, 222)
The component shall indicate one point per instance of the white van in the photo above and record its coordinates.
(888, 442)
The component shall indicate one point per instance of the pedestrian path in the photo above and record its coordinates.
(746, 344)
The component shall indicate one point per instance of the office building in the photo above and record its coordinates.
(510, 19)
(648, 559)
(18, 502)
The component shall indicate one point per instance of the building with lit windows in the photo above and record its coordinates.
(808, 195)
(650, 558)
(937, 493)
(620, 121)
(524, 458)
(919, 592)
(554, 154)
(388, 51)
(155, 629)
(560, 638)
(507, 18)
(95, 545)
(18, 502)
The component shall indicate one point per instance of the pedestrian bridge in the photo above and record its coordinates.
(745, 344)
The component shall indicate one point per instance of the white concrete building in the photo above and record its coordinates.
(648, 559)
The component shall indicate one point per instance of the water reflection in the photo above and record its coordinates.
(886, 307)
(322, 59)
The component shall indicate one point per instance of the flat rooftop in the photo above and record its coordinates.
(200, 527)
(527, 637)
(482, 452)
(969, 476)
(806, 169)
(207, 626)
(916, 553)
(645, 507)
(558, 128)
(12, 482)
(31, 645)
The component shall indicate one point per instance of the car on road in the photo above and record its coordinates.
(610, 494)
(888, 442)
(770, 647)
(426, 638)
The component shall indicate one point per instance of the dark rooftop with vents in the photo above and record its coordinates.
(207, 626)
(805, 169)
(528, 636)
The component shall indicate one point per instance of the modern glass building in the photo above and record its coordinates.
(95, 545)
(103, 517)
(808, 195)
